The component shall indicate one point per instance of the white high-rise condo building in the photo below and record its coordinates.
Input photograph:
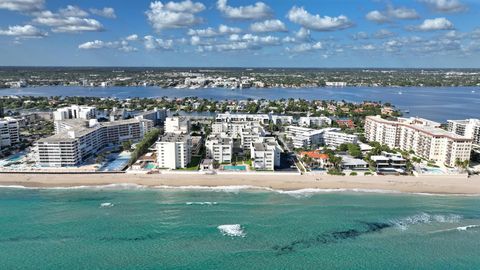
(174, 151)
(303, 137)
(265, 154)
(178, 125)
(75, 112)
(469, 128)
(77, 140)
(9, 132)
(219, 148)
(227, 117)
(156, 115)
(421, 136)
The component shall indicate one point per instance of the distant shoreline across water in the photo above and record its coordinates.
(436, 103)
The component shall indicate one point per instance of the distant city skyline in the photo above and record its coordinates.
(247, 33)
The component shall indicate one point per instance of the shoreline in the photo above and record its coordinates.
(450, 185)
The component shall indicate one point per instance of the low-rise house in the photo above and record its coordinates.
(206, 165)
(389, 162)
(348, 123)
(316, 159)
(354, 164)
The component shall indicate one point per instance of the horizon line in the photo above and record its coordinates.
(231, 67)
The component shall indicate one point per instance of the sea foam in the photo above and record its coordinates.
(201, 203)
(298, 193)
(232, 230)
(106, 205)
(464, 228)
(423, 218)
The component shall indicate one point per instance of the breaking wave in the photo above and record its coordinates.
(201, 203)
(232, 230)
(423, 218)
(464, 228)
(298, 193)
(106, 205)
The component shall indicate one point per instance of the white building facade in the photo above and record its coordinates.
(310, 121)
(469, 128)
(307, 138)
(265, 155)
(77, 140)
(9, 132)
(178, 125)
(75, 112)
(421, 136)
(219, 148)
(174, 151)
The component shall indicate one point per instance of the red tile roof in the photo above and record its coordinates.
(315, 155)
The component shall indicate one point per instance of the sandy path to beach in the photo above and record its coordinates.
(411, 184)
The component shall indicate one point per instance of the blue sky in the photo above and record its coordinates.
(241, 33)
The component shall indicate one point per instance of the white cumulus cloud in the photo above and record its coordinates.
(152, 43)
(106, 12)
(133, 37)
(224, 29)
(376, 16)
(22, 5)
(22, 31)
(174, 14)
(121, 45)
(300, 16)
(268, 26)
(391, 13)
(211, 32)
(305, 47)
(68, 20)
(445, 5)
(435, 24)
(257, 11)
(402, 13)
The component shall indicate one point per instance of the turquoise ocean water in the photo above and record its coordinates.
(136, 228)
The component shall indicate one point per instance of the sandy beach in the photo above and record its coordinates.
(407, 184)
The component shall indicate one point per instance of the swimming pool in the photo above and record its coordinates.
(13, 158)
(432, 170)
(118, 162)
(235, 168)
(150, 166)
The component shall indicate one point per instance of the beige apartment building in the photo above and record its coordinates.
(421, 136)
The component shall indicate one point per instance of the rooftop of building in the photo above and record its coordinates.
(435, 131)
(80, 127)
(173, 137)
(472, 121)
(264, 146)
(314, 155)
(351, 161)
(220, 139)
